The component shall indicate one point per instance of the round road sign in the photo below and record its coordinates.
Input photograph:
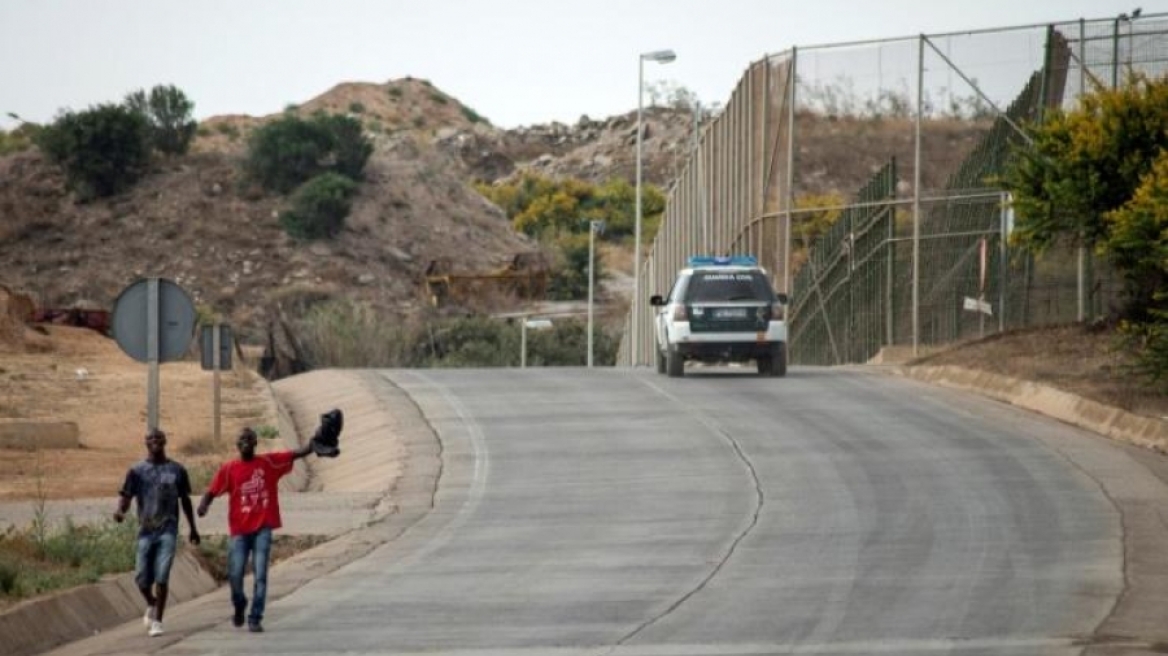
(175, 320)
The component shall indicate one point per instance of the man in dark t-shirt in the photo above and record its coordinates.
(159, 485)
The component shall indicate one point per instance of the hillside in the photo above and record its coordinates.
(194, 218)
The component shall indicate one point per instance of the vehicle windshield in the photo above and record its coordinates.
(715, 286)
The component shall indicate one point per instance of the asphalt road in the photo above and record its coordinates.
(830, 512)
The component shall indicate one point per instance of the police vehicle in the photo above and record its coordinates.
(721, 309)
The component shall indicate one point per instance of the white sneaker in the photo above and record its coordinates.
(148, 617)
(155, 629)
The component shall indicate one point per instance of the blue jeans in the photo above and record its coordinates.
(154, 557)
(259, 545)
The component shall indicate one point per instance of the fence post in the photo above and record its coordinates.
(916, 242)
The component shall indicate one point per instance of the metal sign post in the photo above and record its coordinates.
(215, 380)
(152, 377)
(215, 342)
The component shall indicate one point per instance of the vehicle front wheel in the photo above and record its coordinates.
(674, 364)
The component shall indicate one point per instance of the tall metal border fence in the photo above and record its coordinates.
(918, 254)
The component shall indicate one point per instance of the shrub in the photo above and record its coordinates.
(345, 333)
(349, 148)
(356, 107)
(287, 152)
(537, 206)
(228, 130)
(473, 116)
(103, 150)
(1148, 342)
(8, 577)
(167, 111)
(19, 139)
(319, 207)
(566, 345)
(569, 282)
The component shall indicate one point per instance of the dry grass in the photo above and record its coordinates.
(1070, 357)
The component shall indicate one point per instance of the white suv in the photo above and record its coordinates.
(721, 309)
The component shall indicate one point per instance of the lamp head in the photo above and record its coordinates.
(660, 56)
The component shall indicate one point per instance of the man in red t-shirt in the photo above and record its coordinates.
(253, 512)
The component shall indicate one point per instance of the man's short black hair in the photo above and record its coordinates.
(248, 433)
(155, 433)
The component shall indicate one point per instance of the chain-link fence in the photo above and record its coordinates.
(919, 127)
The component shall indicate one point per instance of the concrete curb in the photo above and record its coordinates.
(36, 625)
(1147, 432)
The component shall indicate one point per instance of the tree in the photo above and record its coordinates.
(167, 110)
(1084, 166)
(1137, 238)
(103, 150)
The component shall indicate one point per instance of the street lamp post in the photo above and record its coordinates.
(594, 227)
(661, 57)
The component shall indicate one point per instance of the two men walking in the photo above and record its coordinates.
(161, 485)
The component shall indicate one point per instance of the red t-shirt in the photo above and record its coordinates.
(254, 501)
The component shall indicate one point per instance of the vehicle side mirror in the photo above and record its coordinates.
(656, 301)
(781, 298)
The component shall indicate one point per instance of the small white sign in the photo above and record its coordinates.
(974, 305)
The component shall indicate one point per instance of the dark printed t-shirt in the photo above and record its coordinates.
(157, 487)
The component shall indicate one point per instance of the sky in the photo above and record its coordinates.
(515, 62)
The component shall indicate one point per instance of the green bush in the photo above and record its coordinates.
(289, 151)
(345, 333)
(167, 111)
(350, 150)
(566, 345)
(473, 116)
(228, 130)
(1148, 343)
(537, 205)
(569, 281)
(103, 150)
(319, 207)
(21, 138)
(65, 556)
(9, 574)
